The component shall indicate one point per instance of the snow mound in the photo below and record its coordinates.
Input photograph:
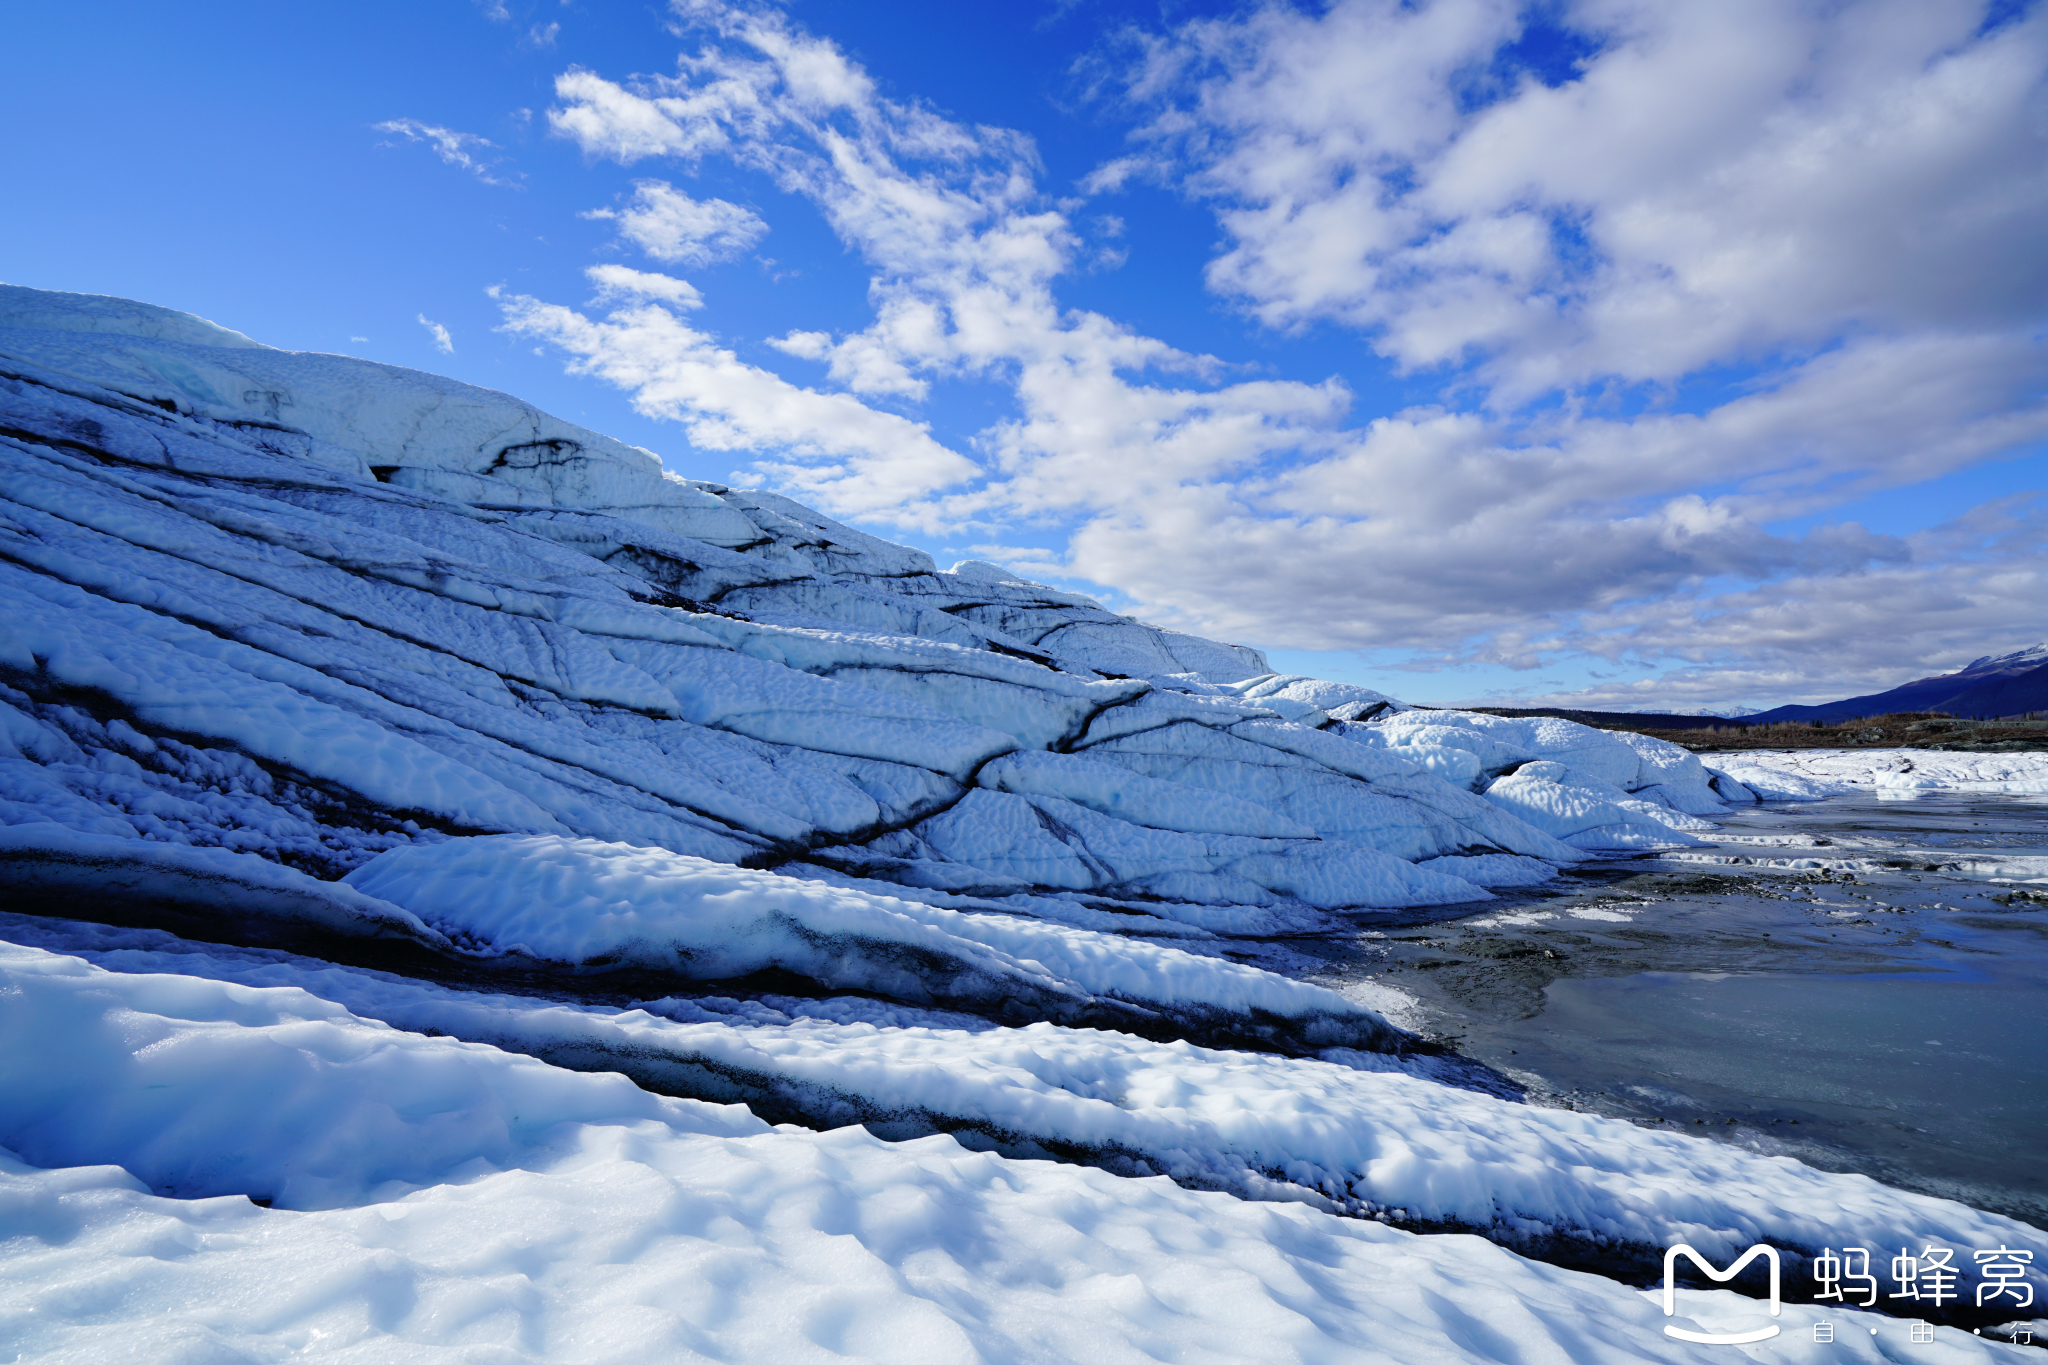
(203, 1088)
(1593, 789)
(596, 905)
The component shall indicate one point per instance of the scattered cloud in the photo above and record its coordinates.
(618, 282)
(826, 446)
(443, 343)
(466, 150)
(1839, 206)
(610, 122)
(671, 226)
(1112, 176)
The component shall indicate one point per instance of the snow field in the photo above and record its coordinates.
(1259, 1126)
(571, 1216)
(636, 1245)
(1810, 774)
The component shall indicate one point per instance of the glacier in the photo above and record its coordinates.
(427, 822)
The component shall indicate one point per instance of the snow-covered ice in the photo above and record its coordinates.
(1808, 774)
(595, 905)
(1348, 1131)
(428, 1194)
(330, 656)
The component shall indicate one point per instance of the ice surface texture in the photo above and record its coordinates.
(251, 586)
(309, 608)
(301, 649)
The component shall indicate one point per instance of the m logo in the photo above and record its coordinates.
(1720, 1277)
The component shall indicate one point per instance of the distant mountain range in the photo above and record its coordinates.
(2007, 685)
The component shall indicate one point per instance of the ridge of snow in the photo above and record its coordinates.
(325, 1111)
(585, 1216)
(603, 905)
(2029, 657)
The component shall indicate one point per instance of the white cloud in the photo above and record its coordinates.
(443, 343)
(1829, 213)
(1966, 588)
(671, 226)
(457, 149)
(846, 457)
(608, 121)
(1113, 175)
(617, 282)
(1719, 182)
(861, 363)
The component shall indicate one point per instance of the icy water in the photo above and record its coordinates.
(1860, 983)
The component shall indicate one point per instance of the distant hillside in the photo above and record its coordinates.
(2008, 685)
(1644, 722)
(1898, 730)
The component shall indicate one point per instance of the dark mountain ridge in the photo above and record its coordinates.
(2007, 685)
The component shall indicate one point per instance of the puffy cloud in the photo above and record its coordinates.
(607, 120)
(1714, 182)
(671, 226)
(1834, 201)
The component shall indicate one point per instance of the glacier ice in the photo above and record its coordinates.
(314, 653)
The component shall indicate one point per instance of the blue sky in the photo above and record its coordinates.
(1615, 352)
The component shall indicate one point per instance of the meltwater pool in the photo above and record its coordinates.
(1860, 983)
